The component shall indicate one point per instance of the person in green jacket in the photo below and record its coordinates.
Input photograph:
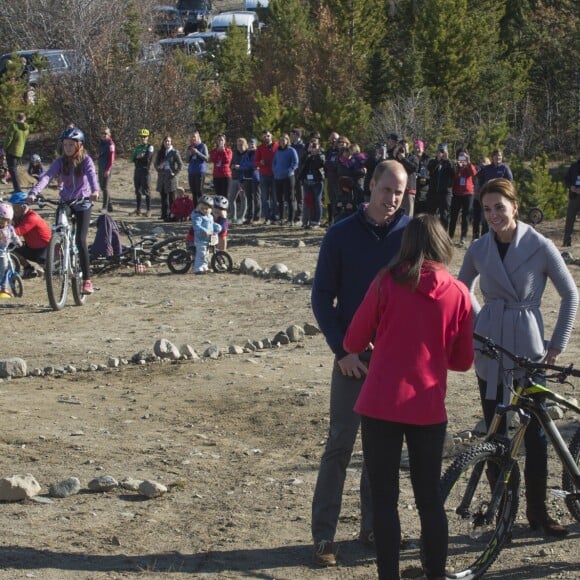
(14, 145)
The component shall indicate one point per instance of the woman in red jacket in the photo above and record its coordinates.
(221, 157)
(419, 319)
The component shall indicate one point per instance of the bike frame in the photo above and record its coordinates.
(65, 225)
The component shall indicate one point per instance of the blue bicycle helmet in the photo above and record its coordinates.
(18, 198)
(72, 133)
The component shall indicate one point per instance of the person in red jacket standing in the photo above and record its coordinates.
(463, 191)
(221, 157)
(419, 319)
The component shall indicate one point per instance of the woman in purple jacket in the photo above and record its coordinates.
(78, 180)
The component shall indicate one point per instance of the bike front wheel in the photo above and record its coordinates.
(221, 262)
(16, 285)
(56, 272)
(179, 261)
(573, 501)
(77, 281)
(478, 532)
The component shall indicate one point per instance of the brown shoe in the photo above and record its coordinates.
(323, 554)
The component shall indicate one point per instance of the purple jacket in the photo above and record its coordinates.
(72, 186)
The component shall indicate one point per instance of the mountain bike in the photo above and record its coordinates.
(481, 514)
(12, 277)
(62, 259)
(179, 261)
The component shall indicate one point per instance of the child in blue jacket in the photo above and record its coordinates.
(203, 229)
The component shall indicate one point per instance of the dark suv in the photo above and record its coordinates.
(196, 14)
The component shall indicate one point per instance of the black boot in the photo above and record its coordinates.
(536, 510)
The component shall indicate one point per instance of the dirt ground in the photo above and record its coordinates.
(238, 440)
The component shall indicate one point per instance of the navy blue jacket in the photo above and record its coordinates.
(351, 255)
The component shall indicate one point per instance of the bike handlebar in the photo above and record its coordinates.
(493, 350)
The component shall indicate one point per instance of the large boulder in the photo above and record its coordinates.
(12, 368)
(18, 487)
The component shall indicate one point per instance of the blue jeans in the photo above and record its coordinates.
(344, 424)
(382, 445)
(268, 197)
(535, 440)
(313, 192)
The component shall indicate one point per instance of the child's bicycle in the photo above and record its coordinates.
(12, 278)
(62, 258)
(179, 261)
(481, 519)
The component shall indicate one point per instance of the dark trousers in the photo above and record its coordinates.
(285, 193)
(463, 204)
(440, 203)
(382, 445)
(252, 191)
(221, 186)
(83, 220)
(13, 162)
(571, 213)
(299, 197)
(196, 181)
(104, 185)
(536, 464)
(167, 199)
(142, 183)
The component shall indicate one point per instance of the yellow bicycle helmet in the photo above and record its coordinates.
(144, 133)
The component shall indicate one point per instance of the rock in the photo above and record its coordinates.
(568, 257)
(49, 371)
(213, 351)
(18, 487)
(93, 367)
(113, 362)
(146, 355)
(13, 367)
(300, 244)
(70, 369)
(295, 333)
(37, 372)
(65, 488)
(249, 266)
(235, 349)
(152, 489)
(555, 412)
(131, 484)
(188, 352)
(258, 344)
(165, 349)
(281, 338)
(311, 329)
(249, 346)
(267, 343)
(480, 428)
(103, 483)
(302, 278)
(278, 270)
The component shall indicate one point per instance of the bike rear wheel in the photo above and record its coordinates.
(221, 262)
(77, 281)
(56, 273)
(467, 495)
(179, 261)
(159, 251)
(16, 285)
(573, 502)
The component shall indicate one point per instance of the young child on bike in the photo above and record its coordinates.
(75, 171)
(220, 216)
(7, 236)
(203, 228)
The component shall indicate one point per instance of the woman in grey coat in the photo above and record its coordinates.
(168, 164)
(513, 263)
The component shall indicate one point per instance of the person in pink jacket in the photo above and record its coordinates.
(418, 320)
(221, 157)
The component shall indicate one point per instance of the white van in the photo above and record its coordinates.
(245, 19)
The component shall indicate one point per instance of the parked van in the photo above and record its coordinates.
(246, 20)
